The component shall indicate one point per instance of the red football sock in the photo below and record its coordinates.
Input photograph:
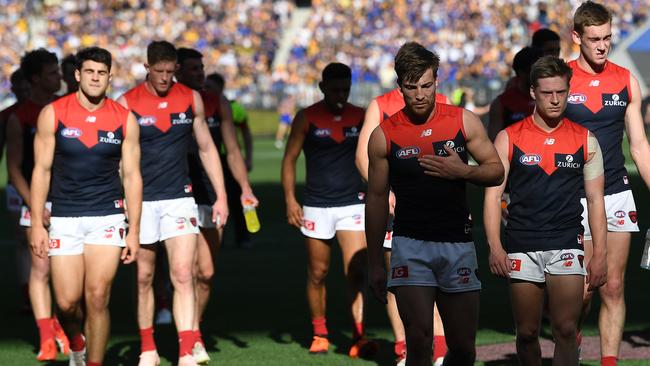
(198, 337)
(185, 342)
(358, 330)
(147, 343)
(608, 361)
(320, 327)
(45, 328)
(439, 347)
(400, 348)
(90, 363)
(77, 343)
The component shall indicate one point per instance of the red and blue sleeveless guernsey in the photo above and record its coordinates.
(85, 172)
(428, 208)
(515, 105)
(332, 178)
(545, 179)
(27, 114)
(165, 138)
(598, 102)
(393, 102)
(201, 187)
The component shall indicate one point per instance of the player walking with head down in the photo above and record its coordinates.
(548, 160)
(328, 132)
(81, 142)
(421, 154)
(606, 98)
(168, 114)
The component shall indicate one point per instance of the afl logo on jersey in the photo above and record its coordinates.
(577, 98)
(71, 133)
(147, 121)
(530, 159)
(322, 132)
(408, 152)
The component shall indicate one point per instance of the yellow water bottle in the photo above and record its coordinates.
(250, 215)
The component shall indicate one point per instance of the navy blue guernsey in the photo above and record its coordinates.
(427, 208)
(85, 170)
(201, 186)
(330, 144)
(599, 102)
(545, 179)
(27, 114)
(165, 137)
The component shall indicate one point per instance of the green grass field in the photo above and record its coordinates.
(258, 313)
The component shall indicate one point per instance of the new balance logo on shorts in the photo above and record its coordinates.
(400, 272)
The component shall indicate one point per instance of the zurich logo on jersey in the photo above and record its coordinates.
(147, 121)
(71, 133)
(530, 159)
(577, 98)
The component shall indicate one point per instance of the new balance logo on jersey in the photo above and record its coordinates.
(408, 152)
(91, 119)
(181, 119)
(577, 98)
(109, 138)
(71, 133)
(615, 101)
(549, 141)
(162, 105)
(594, 83)
(567, 161)
(426, 133)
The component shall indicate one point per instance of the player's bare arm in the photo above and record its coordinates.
(371, 120)
(499, 262)
(291, 153)
(44, 144)
(132, 180)
(211, 162)
(15, 158)
(495, 123)
(639, 147)
(594, 178)
(377, 212)
(489, 171)
(235, 160)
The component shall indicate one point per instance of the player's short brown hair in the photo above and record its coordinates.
(413, 60)
(158, 51)
(548, 67)
(590, 13)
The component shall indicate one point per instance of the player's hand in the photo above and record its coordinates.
(40, 242)
(130, 251)
(46, 217)
(597, 271)
(391, 203)
(294, 214)
(220, 212)
(446, 167)
(248, 198)
(499, 263)
(377, 281)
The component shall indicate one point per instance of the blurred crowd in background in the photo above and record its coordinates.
(239, 38)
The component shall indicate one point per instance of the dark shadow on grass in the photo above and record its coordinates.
(640, 338)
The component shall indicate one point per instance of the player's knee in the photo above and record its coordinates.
(317, 275)
(40, 270)
(420, 337)
(565, 331)
(462, 353)
(97, 297)
(205, 275)
(145, 279)
(67, 307)
(613, 289)
(181, 275)
(527, 334)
